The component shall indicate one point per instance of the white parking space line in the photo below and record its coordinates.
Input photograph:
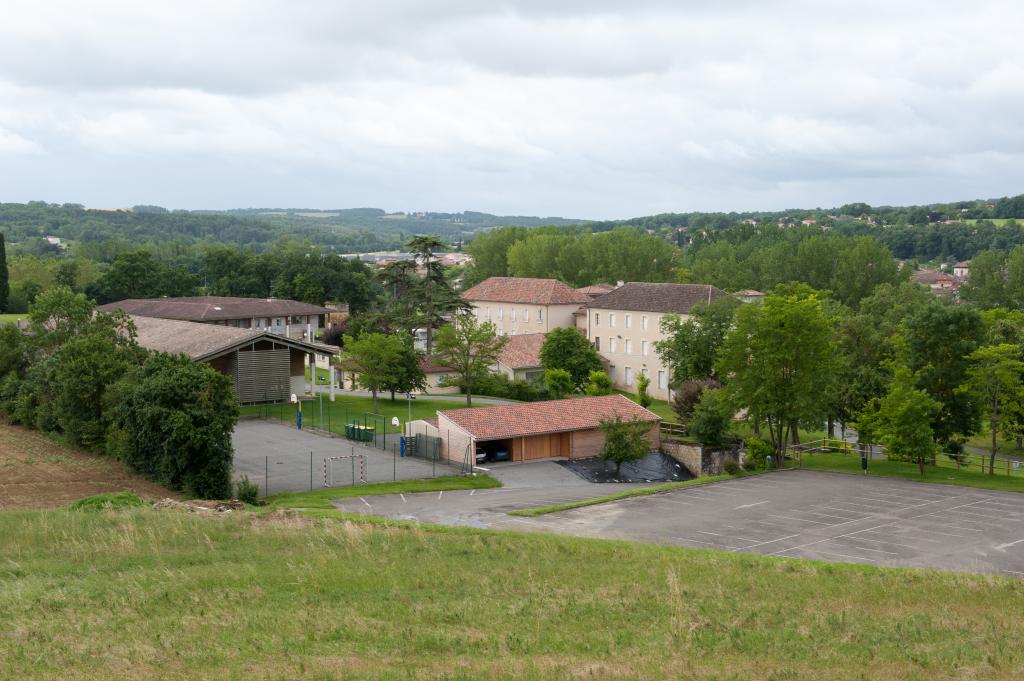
(403, 498)
(886, 541)
(825, 515)
(757, 503)
(1014, 572)
(770, 541)
(803, 520)
(847, 510)
(841, 555)
(717, 545)
(864, 548)
(1003, 547)
(1002, 503)
(365, 502)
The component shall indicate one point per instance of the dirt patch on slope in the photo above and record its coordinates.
(37, 473)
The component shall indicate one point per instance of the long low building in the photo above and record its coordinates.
(265, 367)
(536, 430)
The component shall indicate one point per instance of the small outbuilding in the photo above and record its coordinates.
(538, 430)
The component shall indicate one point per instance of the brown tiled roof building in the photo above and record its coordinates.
(524, 290)
(663, 298)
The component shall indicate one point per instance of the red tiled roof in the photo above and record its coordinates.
(554, 416)
(668, 298)
(524, 290)
(213, 308)
(522, 352)
(596, 289)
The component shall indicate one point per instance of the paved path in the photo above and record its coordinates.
(800, 514)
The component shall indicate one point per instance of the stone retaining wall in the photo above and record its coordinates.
(700, 460)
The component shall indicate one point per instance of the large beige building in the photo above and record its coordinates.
(518, 305)
(624, 324)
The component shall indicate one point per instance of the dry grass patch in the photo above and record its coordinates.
(38, 473)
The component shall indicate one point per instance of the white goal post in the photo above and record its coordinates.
(358, 468)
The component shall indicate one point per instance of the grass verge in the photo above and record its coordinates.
(148, 594)
(321, 498)
(642, 491)
(942, 474)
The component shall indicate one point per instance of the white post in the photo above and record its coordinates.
(309, 332)
(333, 377)
(287, 331)
(312, 374)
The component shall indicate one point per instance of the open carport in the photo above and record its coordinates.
(538, 430)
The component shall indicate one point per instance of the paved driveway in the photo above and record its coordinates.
(280, 458)
(799, 514)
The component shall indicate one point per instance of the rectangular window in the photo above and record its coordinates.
(645, 372)
(661, 379)
(643, 348)
(612, 344)
(526, 314)
(512, 314)
(488, 314)
(597, 343)
(611, 319)
(501, 313)
(629, 375)
(643, 322)
(597, 319)
(540, 314)
(611, 373)
(629, 321)
(629, 346)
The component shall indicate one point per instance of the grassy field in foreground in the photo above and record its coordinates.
(943, 474)
(11, 317)
(146, 594)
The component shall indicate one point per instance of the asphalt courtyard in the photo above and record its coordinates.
(280, 458)
(797, 514)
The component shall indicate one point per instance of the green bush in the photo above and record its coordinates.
(247, 491)
(109, 500)
(497, 384)
(731, 467)
(599, 384)
(711, 418)
(758, 452)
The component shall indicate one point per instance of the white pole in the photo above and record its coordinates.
(332, 381)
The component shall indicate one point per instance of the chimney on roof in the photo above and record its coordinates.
(619, 283)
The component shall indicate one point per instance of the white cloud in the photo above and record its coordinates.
(577, 108)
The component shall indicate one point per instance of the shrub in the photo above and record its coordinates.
(558, 383)
(598, 384)
(687, 396)
(731, 467)
(109, 500)
(758, 452)
(711, 418)
(498, 385)
(247, 491)
(643, 397)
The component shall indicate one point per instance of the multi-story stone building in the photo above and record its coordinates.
(517, 305)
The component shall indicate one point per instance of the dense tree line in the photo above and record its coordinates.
(80, 375)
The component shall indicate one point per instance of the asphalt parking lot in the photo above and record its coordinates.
(280, 458)
(797, 514)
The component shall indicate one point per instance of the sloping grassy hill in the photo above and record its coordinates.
(146, 594)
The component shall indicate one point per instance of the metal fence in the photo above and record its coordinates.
(299, 471)
(371, 430)
(969, 461)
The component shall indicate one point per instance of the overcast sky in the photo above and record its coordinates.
(587, 108)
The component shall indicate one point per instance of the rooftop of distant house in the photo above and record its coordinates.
(213, 308)
(664, 298)
(201, 341)
(524, 290)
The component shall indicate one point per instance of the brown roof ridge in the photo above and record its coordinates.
(529, 290)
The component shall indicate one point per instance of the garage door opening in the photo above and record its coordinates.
(492, 451)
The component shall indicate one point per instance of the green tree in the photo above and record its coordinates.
(994, 381)
(777, 360)
(5, 283)
(986, 287)
(558, 383)
(643, 397)
(469, 348)
(376, 359)
(624, 441)
(172, 419)
(435, 298)
(939, 338)
(66, 274)
(711, 420)
(691, 345)
(408, 376)
(864, 263)
(567, 349)
(903, 420)
(598, 384)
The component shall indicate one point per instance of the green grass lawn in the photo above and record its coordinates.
(983, 441)
(321, 498)
(145, 594)
(323, 376)
(4, 318)
(944, 473)
(659, 407)
(350, 408)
